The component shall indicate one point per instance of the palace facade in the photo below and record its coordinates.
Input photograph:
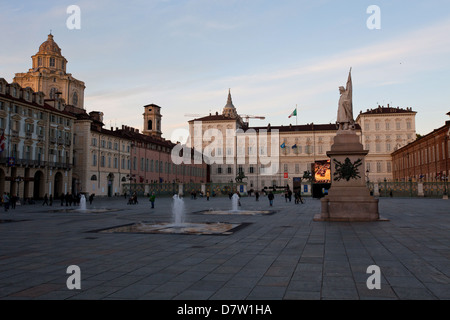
(297, 148)
(425, 159)
(384, 130)
(37, 148)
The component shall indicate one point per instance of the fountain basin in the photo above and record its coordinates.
(205, 228)
(237, 212)
(77, 210)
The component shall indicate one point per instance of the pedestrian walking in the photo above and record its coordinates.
(270, 197)
(207, 195)
(5, 200)
(91, 198)
(152, 200)
(45, 200)
(257, 195)
(13, 201)
(50, 200)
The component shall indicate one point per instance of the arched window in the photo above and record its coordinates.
(53, 93)
(149, 125)
(94, 178)
(75, 99)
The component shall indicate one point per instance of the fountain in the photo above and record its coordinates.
(235, 203)
(83, 208)
(82, 203)
(178, 225)
(178, 211)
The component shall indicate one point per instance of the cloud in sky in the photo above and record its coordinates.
(184, 55)
(391, 62)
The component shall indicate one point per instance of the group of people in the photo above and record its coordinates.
(66, 198)
(8, 200)
(297, 196)
(133, 198)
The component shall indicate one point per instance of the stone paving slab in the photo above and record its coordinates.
(285, 255)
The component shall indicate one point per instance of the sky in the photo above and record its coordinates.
(274, 56)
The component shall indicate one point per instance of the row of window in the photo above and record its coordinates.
(254, 169)
(51, 62)
(31, 153)
(389, 137)
(423, 156)
(110, 145)
(387, 125)
(38, 115)
(147, 165)
(111, 162)
(380, 167)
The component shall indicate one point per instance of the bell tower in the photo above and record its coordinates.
(152, 120)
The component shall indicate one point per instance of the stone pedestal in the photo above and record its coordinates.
(348, 198)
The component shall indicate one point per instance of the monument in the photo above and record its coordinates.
(348, 198)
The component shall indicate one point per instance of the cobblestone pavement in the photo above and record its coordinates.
(285, 255)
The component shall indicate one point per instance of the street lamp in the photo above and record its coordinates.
(445, 178)
(18, 179)
(410, 187)
(385, 187)
(446, 137)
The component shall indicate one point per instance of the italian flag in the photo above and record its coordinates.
(294, 113)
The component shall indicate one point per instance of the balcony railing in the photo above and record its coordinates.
(36, 163)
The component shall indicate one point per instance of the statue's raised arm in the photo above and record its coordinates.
(345, 109)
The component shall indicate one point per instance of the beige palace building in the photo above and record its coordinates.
(384, 130)
(293, 148)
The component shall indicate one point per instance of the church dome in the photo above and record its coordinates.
(49, 46)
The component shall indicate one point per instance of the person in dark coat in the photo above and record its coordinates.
(45, 200)
(271, 197)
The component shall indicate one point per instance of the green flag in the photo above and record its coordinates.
(294, 113)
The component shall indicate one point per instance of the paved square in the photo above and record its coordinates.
(285, 255)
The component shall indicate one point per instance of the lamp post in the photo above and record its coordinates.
(385, 187)
(18, 179)
(445, 178)
(446, 138)
(410, 187)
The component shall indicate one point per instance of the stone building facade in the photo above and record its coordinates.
(384, 130)
(101, 156)
(267, 156)
(425, 159)
(37, 148)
